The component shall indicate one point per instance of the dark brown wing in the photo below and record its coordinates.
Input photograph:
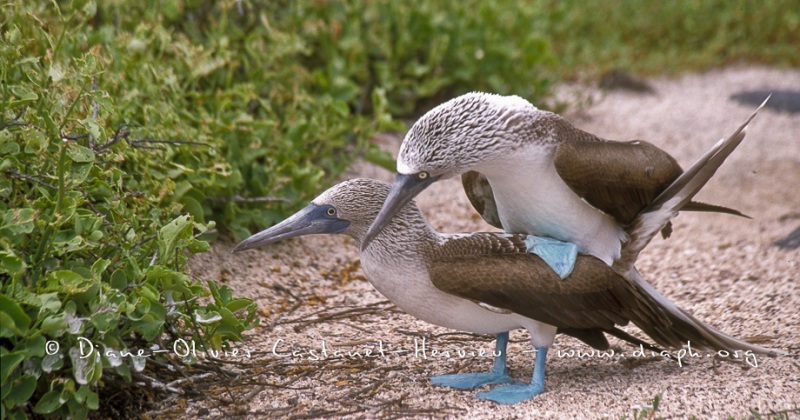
(622, 178)
(619, 178)
(482, 244)
(496, 270)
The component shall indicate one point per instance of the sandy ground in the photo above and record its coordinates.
(722, 269)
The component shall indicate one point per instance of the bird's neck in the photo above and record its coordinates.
(406, 239)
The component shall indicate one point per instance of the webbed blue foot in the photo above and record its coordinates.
(559, 255)
(518, 392)
(498, 375)
(471, 380)
(512, 393)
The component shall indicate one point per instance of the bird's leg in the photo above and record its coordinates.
(498, 375)
(517, 391)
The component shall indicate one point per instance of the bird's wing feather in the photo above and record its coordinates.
(498, 271)
(673, 198)
(618, 178)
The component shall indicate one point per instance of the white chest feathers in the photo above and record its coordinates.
(531, 198)
(408, 286)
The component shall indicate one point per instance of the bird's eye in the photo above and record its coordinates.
(331, 211)
(423, 175)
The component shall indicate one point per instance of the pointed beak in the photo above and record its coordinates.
(313, 219)
(404, 189)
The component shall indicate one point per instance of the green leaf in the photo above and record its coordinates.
(93, 401)
(49, 402)
(9, 148)
(173, 232)
(123, 371)
(207, 318)
(21, 390)
(81, 393)
(7, 326)
(222, 295)
(9, 362)
(84, 366)
(149, 324)
(35, 143)
(47, 302)
(239, 303)
(80, 154)
(18, 221)
(105, 321)
(4, 391)
(85, 395)
(99, 267)
(193, 207)
(69, 282)
(119, 280)
(15, 320)
(78, 172)
(23, 95)
(55, 325)
(52, 362)
(11, 264)
(34, 346)
(197, 246)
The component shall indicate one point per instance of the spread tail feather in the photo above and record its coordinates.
(705, 207)
(685, 328)
(675, 197)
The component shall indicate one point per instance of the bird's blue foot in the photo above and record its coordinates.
(471, 380)
(560, 256)
(498, 375)
(518, 392)
(512, 393)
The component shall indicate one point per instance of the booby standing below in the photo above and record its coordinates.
(530, 171)
(490, 283)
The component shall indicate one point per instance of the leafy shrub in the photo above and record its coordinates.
(126, 128)
(420, 52)
(96, 221)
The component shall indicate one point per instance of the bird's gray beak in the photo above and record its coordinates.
(313, 219)
(404, 189)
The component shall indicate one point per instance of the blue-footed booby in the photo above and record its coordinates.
(491, 283)
(530, 171)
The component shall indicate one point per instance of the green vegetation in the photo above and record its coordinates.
(129, 130)
(656, 37)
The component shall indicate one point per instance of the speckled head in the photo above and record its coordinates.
(348, 208)
(359, 201)
(455, 137)
(459, 134)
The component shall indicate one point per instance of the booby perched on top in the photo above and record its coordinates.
(530, 171)
(491, 283)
